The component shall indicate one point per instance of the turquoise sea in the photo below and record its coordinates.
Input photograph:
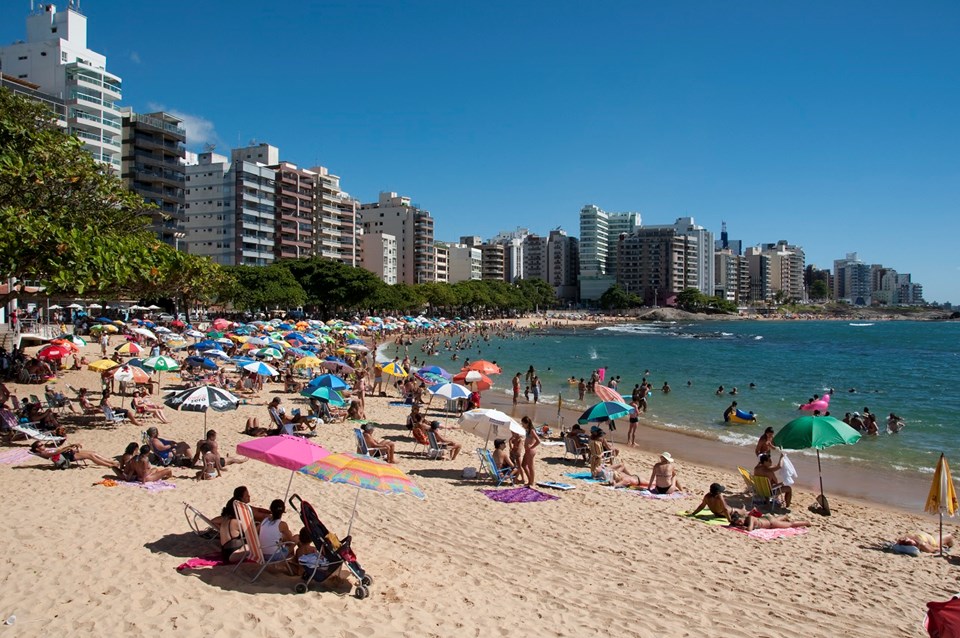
(910, 368)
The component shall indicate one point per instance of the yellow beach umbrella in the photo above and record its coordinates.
(943, 496)
(307, 362)
(394, 369)
(102, 364)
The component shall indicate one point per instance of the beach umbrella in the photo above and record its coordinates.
(102, 364)
(817, 432)
(74, 339)
(480, 380)
(328, 381)
(176, 323)
(437, 370)
(54, 353)
(288, 452)
(129, 374)
(358, 347)
(207, 344)
(364, 473)
(943, 618)
(338, 365)
(449, 391)
(607, 394)
(194, 334)
(64, 343)
(146, 333)
(216, 354)
(484, 366)
(942, 497)
(129, 348)
(394, 369)
(258, 367)
(200, 362)
(605, 411)
(160, 364)
(307, 362)
(325, 394)
(268, 353)
(75, 306)
(201, 399)
(221, 324)
(486, 424)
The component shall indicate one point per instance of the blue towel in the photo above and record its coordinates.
(583, 476)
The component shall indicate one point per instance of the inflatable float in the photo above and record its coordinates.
(743, 418)
(822, 404)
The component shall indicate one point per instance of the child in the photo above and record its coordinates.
(526, 393)
(211, 467)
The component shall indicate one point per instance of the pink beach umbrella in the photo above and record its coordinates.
(607, 394)
(288, 452)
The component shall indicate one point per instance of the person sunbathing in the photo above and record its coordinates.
(279, 417)
(126, 470)
(925, 542)
(84, 399)
(714, 501)
(144, 472)
(167, 451)
(622, 477)
(211, 467)
(65, 454)
(385, 447)
(141, 404)
(443, 442)
(767, 521)
(663, 479)
(222, 461)
(121, 412)
(252, 428)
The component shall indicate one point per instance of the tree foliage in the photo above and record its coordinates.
(263, 288)
(692, 300)
(819, 290)
(65, 222)
(616, 298)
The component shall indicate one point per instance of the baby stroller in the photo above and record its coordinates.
(332, 553)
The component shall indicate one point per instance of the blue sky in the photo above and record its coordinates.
(831, 125)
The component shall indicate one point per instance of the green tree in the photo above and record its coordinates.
(64, 221)
(536, 293)
(616, 298)
(691, 300)
(263, 288)
(333, 287)
(819, 290)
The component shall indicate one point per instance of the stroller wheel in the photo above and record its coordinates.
(300, 588)
(361, 592)
(366, 580)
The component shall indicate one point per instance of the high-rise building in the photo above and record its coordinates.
(413, 228)
(758, 265)
(55, 59)
(337, 225)
(735, 246)
(599, 234)
(441, 254)
(255, 201)
(31, 91)
(852, 280)
(657, 263)
(296, 203)
(210, 217)
(379, 256)
(563, 265)
(512, 243)
(465, 262)
(700, 274)
(492, 262)
(732, 276)
(153, 166)
(534, 257)
(786, 269)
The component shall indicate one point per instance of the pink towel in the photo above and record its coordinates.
(12, 457)
(207, 560)
(771, 534)
(155, 486)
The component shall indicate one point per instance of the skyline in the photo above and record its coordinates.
(830, 127)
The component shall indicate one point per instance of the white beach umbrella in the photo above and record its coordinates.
(487, 424)
(146, 333)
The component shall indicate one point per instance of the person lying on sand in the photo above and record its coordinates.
(70, 453)
(767, 521)
(925, 542)
(622, 477)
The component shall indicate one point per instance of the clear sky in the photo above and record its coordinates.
(832, 125)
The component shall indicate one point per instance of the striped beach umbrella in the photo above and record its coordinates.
(364, 473)
(259, 367)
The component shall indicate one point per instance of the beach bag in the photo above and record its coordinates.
(469, 473)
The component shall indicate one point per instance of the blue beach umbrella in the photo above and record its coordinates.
(207, 344)
(328, 381)
(327, 395)
(449, 390)
(605, 411)
(201, 362)
(437, 370)
(258, 367)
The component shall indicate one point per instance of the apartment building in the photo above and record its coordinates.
(379, 255)
(599, 234)
(658, 262)
(412, 227)
(336, 222)
(295, 202)
(209, 215)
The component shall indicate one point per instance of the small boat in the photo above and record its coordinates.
(860, 325)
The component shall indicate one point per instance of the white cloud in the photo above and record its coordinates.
(200, 130)
(135, 57)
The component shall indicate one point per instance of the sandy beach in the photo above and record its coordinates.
(86, 558)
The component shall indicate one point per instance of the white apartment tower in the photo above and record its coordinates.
(209, 218)
(413, 229)
(599, 233)
(56, 59)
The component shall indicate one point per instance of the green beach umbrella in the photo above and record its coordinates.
(817, 432)
(161, 363)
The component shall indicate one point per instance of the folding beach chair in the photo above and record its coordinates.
(579, 452)
(488, 466)
(200, 524)
(29, 431)
(111, 416)
(765, 495)
(251, 539)
(436, 450)
(362, 448)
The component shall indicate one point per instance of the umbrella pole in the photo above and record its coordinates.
(941, 532)
(289, 483)
(355, 501)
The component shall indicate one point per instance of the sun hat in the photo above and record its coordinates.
(666, 456)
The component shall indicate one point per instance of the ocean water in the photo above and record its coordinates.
(910, 368)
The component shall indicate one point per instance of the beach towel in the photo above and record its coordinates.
(400, 404)
(155, 486)
(13, 457)
(787, 473)
(207, 560)
(706, 516)
(771, 534)
(662, 497)
(518, 495)
(583, 476)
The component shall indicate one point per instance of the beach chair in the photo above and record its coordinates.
(251, 540)
(488, 466)
(62, 463)
(29, 431)
(56, 403)
(599, 457)
(111, 416)
(436, 450)
(420, 443)
(747, 479)
(764, 494)
(363, 449)
(200, 524)
(581, 452)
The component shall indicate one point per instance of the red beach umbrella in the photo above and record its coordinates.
(484, 366)
(468, 377)
(53, 352)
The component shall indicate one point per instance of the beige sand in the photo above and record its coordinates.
(83, 558)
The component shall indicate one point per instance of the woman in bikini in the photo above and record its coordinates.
(71, 453)
(663, 479)
(767, 521)
(530, 443)
(516, 454)
(141, 404)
